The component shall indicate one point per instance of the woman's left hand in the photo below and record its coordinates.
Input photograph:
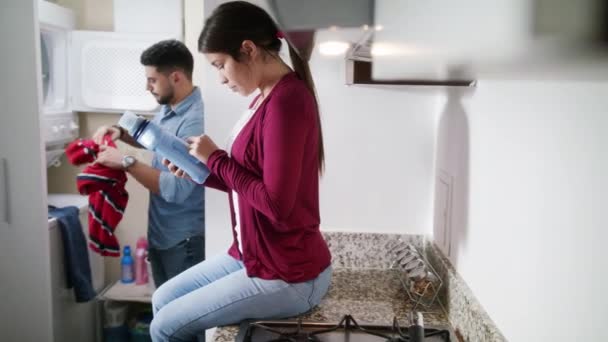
(201, 147)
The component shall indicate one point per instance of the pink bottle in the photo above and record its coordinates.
(141, 270)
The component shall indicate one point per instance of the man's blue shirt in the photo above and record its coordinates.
(178, 211)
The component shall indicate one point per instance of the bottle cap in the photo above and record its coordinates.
(126, 250)
(142, 243)
(130, 121)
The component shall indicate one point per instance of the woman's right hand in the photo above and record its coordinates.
(175, 170)
(103, 131)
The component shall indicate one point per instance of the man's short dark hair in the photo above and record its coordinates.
(168, 55)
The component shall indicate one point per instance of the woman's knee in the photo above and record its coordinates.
(160, 298)
(157, 329)
(170, 325)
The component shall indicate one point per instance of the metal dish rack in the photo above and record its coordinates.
(419, 279)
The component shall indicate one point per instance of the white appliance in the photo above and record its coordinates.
(73, 321)
(60, 124)
(88, 71)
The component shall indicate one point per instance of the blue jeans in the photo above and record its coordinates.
(167, 263)
(218, 292)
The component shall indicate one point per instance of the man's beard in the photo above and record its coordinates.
(166, 99)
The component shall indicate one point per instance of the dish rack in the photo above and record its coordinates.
(419, 279)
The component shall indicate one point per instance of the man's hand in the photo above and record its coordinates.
(110, 157)
(175, 170)
(102, 131)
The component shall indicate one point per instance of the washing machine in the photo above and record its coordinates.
(59, 122)
(73, 321)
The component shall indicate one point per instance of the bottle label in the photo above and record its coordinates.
(127, 274)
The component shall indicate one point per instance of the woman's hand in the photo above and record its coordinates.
(201, 147)
(175, 170)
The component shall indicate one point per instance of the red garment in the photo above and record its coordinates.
(275, 171)
(82, 151)
(107, 195)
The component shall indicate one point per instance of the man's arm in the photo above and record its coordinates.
(146, 176)
(126, 138)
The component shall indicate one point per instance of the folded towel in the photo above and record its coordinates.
(107, 195)
(77, 266)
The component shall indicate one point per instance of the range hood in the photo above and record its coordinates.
(444, 42)
(299, 20)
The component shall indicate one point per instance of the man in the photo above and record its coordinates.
(176, 212)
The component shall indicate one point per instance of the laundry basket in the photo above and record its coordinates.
(140, 331)
(115, 322)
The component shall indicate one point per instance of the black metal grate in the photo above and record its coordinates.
(345, 330)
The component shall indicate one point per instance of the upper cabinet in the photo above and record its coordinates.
(96, 71)
(105, 72)
(453, 42)
(538, 38)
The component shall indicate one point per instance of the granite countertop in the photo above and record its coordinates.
(369, 295)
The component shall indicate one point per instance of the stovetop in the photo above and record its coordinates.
(347, 330)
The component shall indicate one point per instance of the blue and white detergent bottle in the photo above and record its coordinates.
(126, 266)
(167, 145)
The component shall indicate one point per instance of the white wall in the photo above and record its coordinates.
(379, 147)
(528, 244)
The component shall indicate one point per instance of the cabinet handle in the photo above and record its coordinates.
(4, 200)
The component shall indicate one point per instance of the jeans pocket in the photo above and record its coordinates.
(304, 291)
(194, 252)
(181, 244)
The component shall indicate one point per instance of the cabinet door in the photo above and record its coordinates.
(24, 241)
(420, 39)
(443, 204)
(529, 39)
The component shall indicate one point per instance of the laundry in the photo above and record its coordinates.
(107, 195)
(77, 266)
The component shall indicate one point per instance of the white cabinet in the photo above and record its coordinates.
(432, 38)
(26, 309)
(149, 14)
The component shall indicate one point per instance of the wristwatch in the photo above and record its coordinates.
(128, 161)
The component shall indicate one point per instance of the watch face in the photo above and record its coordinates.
(128, 161)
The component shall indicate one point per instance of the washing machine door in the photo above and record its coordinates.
(45, 63)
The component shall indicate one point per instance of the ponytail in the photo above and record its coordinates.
(302, 68)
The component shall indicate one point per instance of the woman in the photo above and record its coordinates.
(279, 264)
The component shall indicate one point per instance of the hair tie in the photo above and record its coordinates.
(280, 35)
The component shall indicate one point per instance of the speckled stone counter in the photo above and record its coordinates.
(369, 295)
(464, 312)
(364, 287)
